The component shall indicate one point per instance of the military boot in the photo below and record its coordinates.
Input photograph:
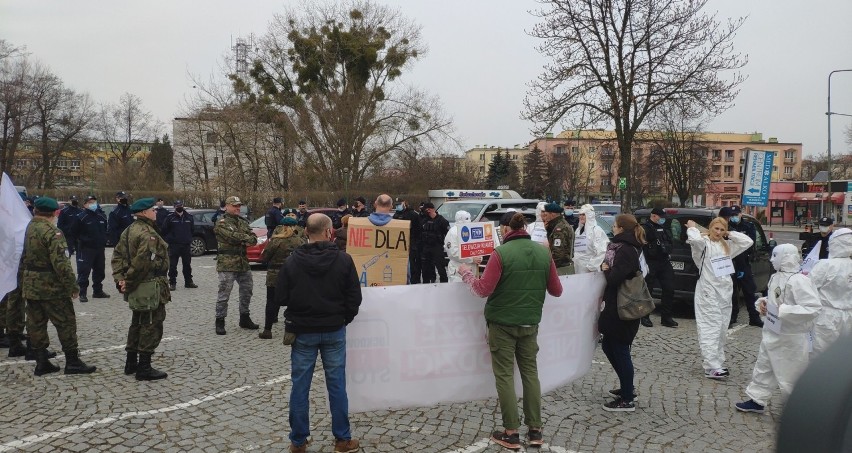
(16, 348)
(4, 340)
(131, 363)
(73, 364)
(30, 352)
(220, 326)
(247, 323)
(43, 365)
(144, 372)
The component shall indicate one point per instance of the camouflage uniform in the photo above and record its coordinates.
(13, 311)
(276, 252)
(233, 235)
(142, 255)
(560, 236)
(47, 284)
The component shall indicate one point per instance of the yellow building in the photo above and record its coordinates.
(478, 158)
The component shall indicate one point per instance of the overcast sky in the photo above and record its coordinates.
(479, 62)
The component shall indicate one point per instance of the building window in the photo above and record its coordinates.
(210, 137)
(514, 157)
(215, 161)
(481, 169)
(75, 164)
(729, 155)
(560, 150)
(717, 154)
(788, 171)
(592, 150)
(729, 171)
(591, 166)
(482, 156)
(774, 168)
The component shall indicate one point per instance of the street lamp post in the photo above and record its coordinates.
(828, 114)
(346, 184)
(92, 180)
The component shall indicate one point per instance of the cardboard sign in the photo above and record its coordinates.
(477, 239)
(581, 244)
(380, 252)
(773, 322)
(722, 266)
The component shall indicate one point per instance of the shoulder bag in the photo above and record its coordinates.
(634, 300)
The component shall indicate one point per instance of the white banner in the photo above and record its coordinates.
(14, 218)
(812, 258)
(413, 346)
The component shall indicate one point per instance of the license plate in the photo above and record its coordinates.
(677, 265)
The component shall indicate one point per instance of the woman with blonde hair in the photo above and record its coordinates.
(620, 263)
(713, 252)
(287, 237)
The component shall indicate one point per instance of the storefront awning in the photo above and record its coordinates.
(836, 197)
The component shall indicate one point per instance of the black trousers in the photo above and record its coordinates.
(662, 272)
(748, 288)
(433, 259)
(92, 261)
(415, 265)
(182, 252)
(272, 308)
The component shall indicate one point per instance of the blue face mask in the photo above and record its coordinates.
(735, 219)
(93, 207)
(662, 221)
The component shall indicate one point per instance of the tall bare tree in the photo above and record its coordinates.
(125, 127)
(334, 70)
(621, 59)
(677, 143)
(17, 114)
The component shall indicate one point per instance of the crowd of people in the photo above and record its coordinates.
(311, 276)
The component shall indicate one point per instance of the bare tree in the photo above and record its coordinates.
(622, 59)
(677, 141)
(125, 127)
(333, 71)
(16, 107)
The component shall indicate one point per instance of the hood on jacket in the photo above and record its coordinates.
(462, 217)
(628, 237)
(380, 218)
(315, 257)
(589, 211)
(786, 258)
(538, 210)
(840, 244)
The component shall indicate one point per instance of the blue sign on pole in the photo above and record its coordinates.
(757, 178)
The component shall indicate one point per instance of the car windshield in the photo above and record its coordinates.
(605, 222)
(449, 210)
(259, 222)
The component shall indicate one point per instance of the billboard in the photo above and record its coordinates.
(757, 176)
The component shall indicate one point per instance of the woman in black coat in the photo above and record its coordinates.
(621, 262)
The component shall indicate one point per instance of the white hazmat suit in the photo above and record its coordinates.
(783, 356)
(590, 242)
(833, 279)
(452, 246)
(713, 294)
(538, 230)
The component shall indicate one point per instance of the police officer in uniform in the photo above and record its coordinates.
(415, 260)
(233, 235)
(177, 229)
(342, 211)
(743, 277)
(162, 213)
(67, 220)
(119, 219)
(273, 217)
(90, 231)
(657, 254)
(48, 286)
(560, 238)
(826, 228)
(572, 220)
(302, 215)
(141, 256)
(435, 229)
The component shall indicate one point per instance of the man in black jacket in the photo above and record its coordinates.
(177, 231)
(119, 219)
(67, 222)
(161, 213)
(90, 230)
(657, 255)
(435, 228)
(743, 276)
(273, 216)
(406, 212)
(319, 286)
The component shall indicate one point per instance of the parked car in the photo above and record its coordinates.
(685, 270)
(258, 226)
(203, 239)
(479, 208)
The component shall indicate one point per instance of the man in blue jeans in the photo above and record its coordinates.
(319, 286)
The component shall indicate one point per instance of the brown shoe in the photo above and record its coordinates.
(266, 334)
(298, 449)
(346, 446)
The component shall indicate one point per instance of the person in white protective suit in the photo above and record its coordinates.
(783, 355)
(590, 242)
(538, 230)
(452, 245)
(833, 280)
(712, 253)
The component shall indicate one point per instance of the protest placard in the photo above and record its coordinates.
(380, 252)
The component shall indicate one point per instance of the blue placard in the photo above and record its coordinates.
(757, 178)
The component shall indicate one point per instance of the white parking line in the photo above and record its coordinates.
(20, 361)
(37, 438)
(480, 445)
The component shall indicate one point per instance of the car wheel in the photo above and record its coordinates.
(197, 247)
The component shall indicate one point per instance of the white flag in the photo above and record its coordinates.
(811, 260)
(14, 218)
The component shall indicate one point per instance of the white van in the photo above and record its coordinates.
(478, 208)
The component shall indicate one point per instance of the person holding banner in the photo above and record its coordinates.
(515, 280)
(790, 308)
(452, 245)
(820, 241)
(590, 242)
(833, 280)
(713, 252)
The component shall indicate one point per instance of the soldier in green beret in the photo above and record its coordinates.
(233, 235)
(560, 238)
(140, 263)
(48, 284)
(286, 238)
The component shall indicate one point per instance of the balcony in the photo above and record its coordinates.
(716, 158)
(729, 158)
(789, 160)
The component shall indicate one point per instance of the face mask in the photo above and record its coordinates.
(661, 221)
(823, 229)
(735, 219)
(123, 201)
(93, 207)
(400, 207)
(179, 209)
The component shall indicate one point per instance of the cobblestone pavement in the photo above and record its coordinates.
(229, 394)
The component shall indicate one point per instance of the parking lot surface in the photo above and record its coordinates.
(229, 394)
